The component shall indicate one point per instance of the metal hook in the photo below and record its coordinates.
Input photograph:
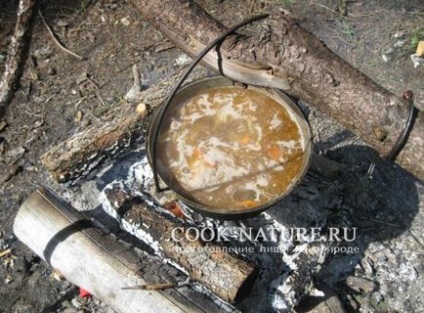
(408, 96)
(165, 106)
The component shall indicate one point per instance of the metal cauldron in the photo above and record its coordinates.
(190, 90)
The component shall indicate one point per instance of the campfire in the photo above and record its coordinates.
(225, 250)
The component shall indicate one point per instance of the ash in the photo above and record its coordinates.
(384, 272)
(274, 289)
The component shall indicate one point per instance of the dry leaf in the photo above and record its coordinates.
(3, 125)
(78, 117)
(420, 49)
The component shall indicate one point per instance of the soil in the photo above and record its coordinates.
(60, 95)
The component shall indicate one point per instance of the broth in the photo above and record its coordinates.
(230, 148)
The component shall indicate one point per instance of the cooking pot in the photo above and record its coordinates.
(162, 118)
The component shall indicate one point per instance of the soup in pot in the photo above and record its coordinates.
(230, 148)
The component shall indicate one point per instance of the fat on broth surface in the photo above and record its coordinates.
(230, 148)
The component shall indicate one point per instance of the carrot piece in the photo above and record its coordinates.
(197, 153)
(210, 164)
(195, 156)
(245, 140)
(247, 203)
(274, 153)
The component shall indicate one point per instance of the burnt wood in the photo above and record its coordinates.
(225, 274)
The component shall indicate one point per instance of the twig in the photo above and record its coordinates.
(252, 7)
(324, 7)
(100, 98)
(52, 35)
(380, 222)
(164, 46)
(355, 15)
(341, 39)
(137, 80)
(13, 171)
(5, 252)
(134, 93)
(3, 124)
(415, 13)
(159, 286)
(152, 287)
(93, 82)
(78, 102)
(415, 238)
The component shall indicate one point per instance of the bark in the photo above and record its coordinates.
(219, 271)
(17, 52)
(226, 275)
(286, 56)
(99, 263)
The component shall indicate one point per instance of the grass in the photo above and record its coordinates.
(85, 3)
(348, 29)
(341, 17)
(287, 3)
(284, 3)
(416, 36)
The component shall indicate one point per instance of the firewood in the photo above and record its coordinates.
(17, 52)
(123, 129)
(317, 76)
(282, 54)
(96, 261)
(226, 275)
(141, 214)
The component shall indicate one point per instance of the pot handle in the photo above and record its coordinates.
(164, 107)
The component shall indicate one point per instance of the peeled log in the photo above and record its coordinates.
(303, 66)
(99, 263)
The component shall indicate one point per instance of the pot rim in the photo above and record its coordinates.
(219, 81)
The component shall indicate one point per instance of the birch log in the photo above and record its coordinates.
(284, 55)
(85, 256)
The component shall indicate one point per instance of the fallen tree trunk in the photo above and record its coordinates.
(284, 55)
(119, 133)
(97, 262)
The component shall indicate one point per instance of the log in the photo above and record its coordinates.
(141, 214)
(123, 129)
(225, 274)
(282, 54)
(73, 245)
(17, 51)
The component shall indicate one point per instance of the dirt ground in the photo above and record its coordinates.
(60, 95)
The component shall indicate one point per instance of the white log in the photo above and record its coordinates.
(86, 257)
